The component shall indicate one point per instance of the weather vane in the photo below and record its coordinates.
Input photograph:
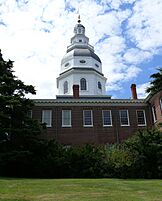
(79, 19)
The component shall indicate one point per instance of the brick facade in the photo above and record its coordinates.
(156, 101)
(97, 134)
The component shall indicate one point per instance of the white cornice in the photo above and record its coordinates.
(91, 102)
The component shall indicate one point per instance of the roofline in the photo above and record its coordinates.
(150, 96)
(90, 102)
(79, 68)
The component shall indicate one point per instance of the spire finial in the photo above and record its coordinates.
(79, 21)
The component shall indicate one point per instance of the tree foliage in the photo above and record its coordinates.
(14, 106)
(156, 83)
(138, 157)
(146, 147)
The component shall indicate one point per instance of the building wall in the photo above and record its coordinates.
(74, 78)
(156, 101)
(74, 61)
(98, 134)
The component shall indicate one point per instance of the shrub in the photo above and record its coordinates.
(119, 162)
(146, 146)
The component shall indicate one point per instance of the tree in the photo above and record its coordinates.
(146, 148)
(14, 106)
(156, 83)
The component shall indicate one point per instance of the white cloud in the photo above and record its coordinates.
(145, 25)
(37, 33)
(136, 56)
(141, 90)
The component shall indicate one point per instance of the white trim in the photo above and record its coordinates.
(86, 84)
(103, 118)
(154, 114)
(64, 125)
(30, 113)
(65, 87)
(91, 125)
(50, 118)
(127, 118)
(144, 118)
(161, 103)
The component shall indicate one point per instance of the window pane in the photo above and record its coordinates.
(141, 117)
(87, 117)
(66, 117)
(154, 113)
(99, 85)
(124, 117)
(107, 121)
(83, 84)
(65, 87)
(47, 117)
(29, 113)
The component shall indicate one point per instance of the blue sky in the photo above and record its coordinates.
(126, 34)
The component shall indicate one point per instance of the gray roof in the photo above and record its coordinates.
(86, 52)
(80, 52)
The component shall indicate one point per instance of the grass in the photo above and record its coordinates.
(80, 190)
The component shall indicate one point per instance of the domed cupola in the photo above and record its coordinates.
(80, 59)
(79, 28)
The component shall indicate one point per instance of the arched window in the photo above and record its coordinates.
(83, 84)
(65, 87)
(99, 85)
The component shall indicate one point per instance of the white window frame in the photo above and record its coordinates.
(30, 114)
(161, 103)
(99, 84)
(154, 114)
(63, 123)
(50, 118)
(85, 125)
(66, 87)
(85, 85)
(106, 125)
(144, 117)
(127, 118)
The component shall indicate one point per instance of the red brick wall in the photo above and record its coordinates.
(155, 101)
(77, 134)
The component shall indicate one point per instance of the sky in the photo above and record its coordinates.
(126, 35)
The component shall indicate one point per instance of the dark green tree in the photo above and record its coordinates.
(146, 149)
(14, 106)
(156, 83)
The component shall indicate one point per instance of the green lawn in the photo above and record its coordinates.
(80, 190)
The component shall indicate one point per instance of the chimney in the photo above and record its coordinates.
(75, 91)
(134, 92)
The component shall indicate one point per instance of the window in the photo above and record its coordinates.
(107, 118)
(141, 118)
(29, 113)
(82, 61)
(124, 119)
(97, 65)
(83, 84)
(99, 85)
(66, 118)
(47, 117)
(80, 41)
(67, 64)
(65, 87)
(161, 103)
(79, 31)
(87, 118)
(154, 113)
